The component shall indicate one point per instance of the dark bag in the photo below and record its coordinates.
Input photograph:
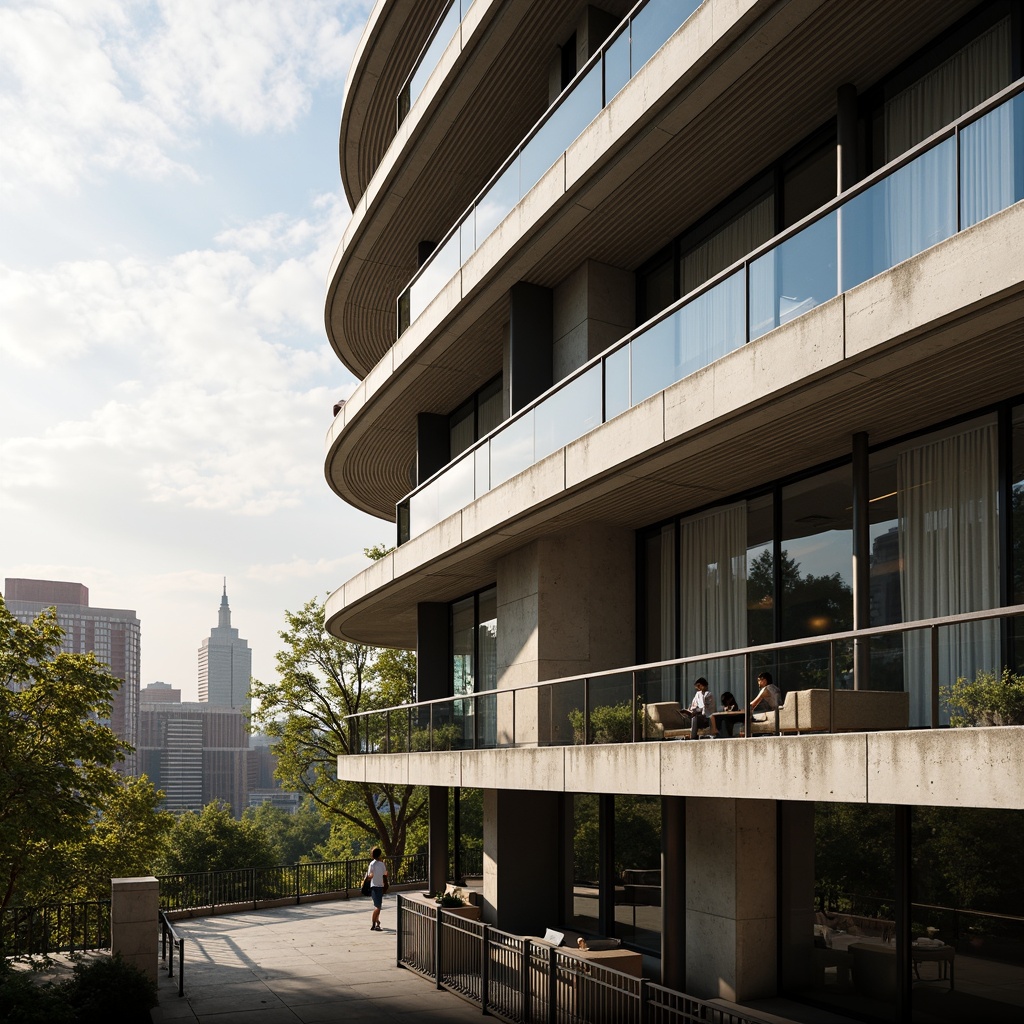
(385, 883)
(366, 887)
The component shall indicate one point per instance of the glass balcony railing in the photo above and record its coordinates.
(825, 689)
(631, 46)
(970, 170)
(431, 54)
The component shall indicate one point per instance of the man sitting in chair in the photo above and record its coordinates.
(701, 708)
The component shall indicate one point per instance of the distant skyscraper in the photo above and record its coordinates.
(225, 663)
(195, 752)
(112, 634)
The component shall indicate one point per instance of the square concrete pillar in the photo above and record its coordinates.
(521, 861)
(731, 898)
(134, 922)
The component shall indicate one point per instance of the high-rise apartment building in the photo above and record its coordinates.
(225, 663)
(195, 752)
(690, 339)
(112, 634)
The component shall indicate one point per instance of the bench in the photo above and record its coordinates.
(855, 711)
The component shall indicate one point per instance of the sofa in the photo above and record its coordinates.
(666, 721)
(855, 711)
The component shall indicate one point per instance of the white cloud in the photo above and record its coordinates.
(204, 378)
(89, 88)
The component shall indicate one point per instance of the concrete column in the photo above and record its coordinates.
(731, 898)
(433, 445)
(796, 894)
(134, 922)
(673, 892)
(432, 664)
(530, 339)
(566, 606)
(522, 887)
(594, 307)
(437, 837)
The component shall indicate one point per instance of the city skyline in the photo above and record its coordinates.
(170, 200)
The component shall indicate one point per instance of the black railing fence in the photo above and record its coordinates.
(55, 928)
(73, 927)
(516, 979)
(252, 886)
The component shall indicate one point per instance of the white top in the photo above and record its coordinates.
(376, 872)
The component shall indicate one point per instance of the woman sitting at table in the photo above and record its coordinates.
(722, 722)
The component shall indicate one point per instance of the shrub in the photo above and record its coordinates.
(609, 723)
(25, 1000)
(108, 989)
(986, 699)
(449, 900)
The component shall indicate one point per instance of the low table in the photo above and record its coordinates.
(941, 956)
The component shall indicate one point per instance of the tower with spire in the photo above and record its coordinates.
(225, 663)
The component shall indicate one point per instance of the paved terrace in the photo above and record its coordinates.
(309, 963)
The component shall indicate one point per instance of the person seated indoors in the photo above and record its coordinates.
(701, 708)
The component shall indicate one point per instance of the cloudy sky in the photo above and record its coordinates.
(169, 206)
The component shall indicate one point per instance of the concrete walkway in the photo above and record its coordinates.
(309, 963)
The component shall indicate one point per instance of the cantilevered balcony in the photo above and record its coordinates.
(963, 174)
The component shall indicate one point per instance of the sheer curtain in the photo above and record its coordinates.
(713, 593)
(922, 196)
(717, 318)
(970, 76)
(990, 180)
(949, 556)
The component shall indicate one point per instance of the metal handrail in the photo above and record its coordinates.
(932, 625)
(177, 941)
(949, 131)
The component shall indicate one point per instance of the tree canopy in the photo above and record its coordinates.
(56, 757)
(321, 680)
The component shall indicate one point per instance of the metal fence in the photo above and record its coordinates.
(248, 887)
(55, 928)
(518, 980)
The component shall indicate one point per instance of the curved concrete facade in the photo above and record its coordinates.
(646, 387)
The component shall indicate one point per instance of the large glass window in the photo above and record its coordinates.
(585, 908)
(637, 841)
(476, 418)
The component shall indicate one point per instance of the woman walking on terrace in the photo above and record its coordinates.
(377, 873)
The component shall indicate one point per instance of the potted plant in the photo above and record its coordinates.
(987, 699)
(455, 902)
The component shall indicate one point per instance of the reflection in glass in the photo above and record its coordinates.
(616, 65)
(794, 277)
(653, 25)
(992, 162)
(454, 488)
(498, 202)
(569, 413)
(463, 630)
(616, 382)
(637, 857)
(563, 126)
(512, 449)
(901, 215)
(585, 908)
(444, 263)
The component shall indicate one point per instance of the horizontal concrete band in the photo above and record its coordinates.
(904, 325)
(922, 767)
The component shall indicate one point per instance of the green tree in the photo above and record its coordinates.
(213, 840)
(321, 680)
(294, 837)
(56, 758)
(127, 839)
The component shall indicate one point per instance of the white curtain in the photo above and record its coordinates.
(987, 162)
(949, 556)
(719, 316)
(975, 72)
(713, 593)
